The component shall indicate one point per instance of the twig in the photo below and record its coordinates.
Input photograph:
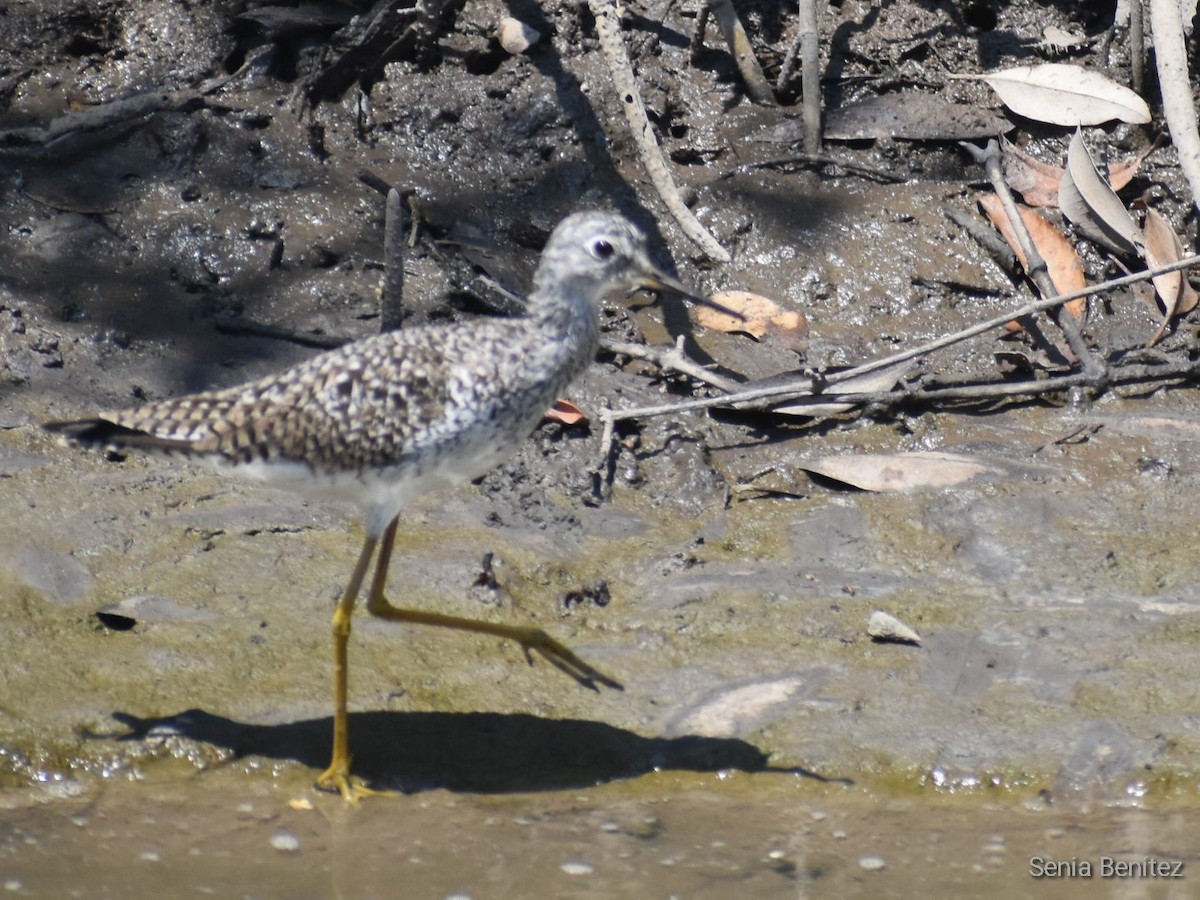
(1002, 390)
(1137, 47)
(602, 469)
(809, 387)
(41, 139)
(391, 304)
(787, 69)
(262, 329)
(1178, 110)
(756, 83)
(817, 159)
(1036, 266)
(647, 39)
(696, 43)
(810, 74)
(1007, 260)
(608, 29)
(673, 359)
(985, 237)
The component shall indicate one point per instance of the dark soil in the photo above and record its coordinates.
(164, 639)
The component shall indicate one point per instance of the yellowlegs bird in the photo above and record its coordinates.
(387, 418)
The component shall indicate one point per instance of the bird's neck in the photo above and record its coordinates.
(566, 324)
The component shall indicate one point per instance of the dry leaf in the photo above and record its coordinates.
(1092, 206)
(1066, 268)
(1064, 94)
(895, 472)
(763, 316)
(566, 412)
(1162, 248)
(1120, 174)
(1037, 182)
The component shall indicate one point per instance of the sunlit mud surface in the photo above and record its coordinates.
(164, 640)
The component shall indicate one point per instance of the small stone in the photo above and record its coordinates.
(871, 863)
(515, 36)
(886, 627)
(285, 841)
(577, 867)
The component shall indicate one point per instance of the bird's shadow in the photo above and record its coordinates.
(476, 752)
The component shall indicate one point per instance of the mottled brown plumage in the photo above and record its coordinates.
(383, 419)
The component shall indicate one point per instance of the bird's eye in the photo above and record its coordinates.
(602, 249)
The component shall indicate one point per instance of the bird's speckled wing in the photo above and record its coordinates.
(374, 403)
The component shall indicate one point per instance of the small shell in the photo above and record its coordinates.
(515, 36)
(886, 627)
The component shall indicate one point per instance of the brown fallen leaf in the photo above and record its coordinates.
(1037, 182)
(1162, 248)
(1033, 179)
(896, 472)
(566, 412)
(1121, 173)
(1064, 264)
(763, 316)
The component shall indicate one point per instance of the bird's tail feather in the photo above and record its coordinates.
(101, 432)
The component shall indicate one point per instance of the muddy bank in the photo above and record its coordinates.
(728, 590)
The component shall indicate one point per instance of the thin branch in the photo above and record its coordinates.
(756, 83)
(251, 328)
(1036, 266)
(810, 74)
(787, 69)
(39, 140)
(1178, 108)
(673, 359)
(817, 159)
(812, 386)
(1137, 48)
(391, 303)
(608, 29)
(602, 469)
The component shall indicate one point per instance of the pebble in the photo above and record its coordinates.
(285, 841)
(886, 627)
(515, 36)
(871, 863)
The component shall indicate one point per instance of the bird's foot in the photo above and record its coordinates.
(336, 779)
(534, 640)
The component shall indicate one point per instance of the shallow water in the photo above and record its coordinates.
(665, 835)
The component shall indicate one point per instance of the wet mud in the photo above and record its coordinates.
(165, 663)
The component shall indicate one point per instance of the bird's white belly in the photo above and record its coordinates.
(382, 492)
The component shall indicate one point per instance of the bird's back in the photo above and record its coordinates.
(386, 402)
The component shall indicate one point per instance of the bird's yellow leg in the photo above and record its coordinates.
(532, 640)
(337, 776)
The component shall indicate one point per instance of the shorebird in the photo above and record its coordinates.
(387, 418)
